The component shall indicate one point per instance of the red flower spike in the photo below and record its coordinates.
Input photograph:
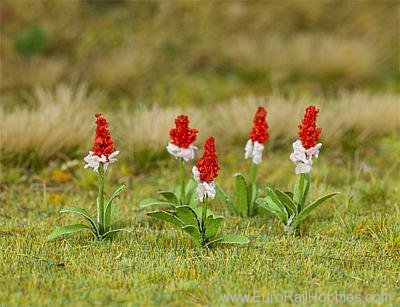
(103, 144)
(208, 163)
(259, 132)
(308, 131)
(182, 135)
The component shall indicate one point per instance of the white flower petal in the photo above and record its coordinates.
(302, 168)
(254, 150)
(92, 161)
(248, 149)
(111, 158)
(210, 189)
(196, 173)
(257, 152)
(173, 149)
(303, 157)
(314, 151)
(293, 157)
(185, 153)
(201, 192)
(205, 189)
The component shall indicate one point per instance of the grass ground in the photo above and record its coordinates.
(350, 245)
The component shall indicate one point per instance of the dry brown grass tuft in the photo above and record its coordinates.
(366, 114)
(33, 73)
(57, 123)
(363, 113)
(63, 121)
(147, 128)
(324, 57)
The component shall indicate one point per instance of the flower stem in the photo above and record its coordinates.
(253, 173)
(100, 200)
(182, 180)
(307, 183)
(204, 218)
(301, 190)
(252, 182)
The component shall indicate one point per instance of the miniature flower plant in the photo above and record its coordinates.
(181, 147)
(99, 158)
(246, 191)
(290, 207)
(198, 221)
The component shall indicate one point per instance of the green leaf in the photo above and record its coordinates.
(252, 197)
(194, 232)
(307, 181)
(241, 195)
(170, 197)
(268, 204)
(290, 194)
(298, 189)
(113, 231)
(223, 194)
(190, 186)
(167, 217)
(254, 193)
(116, 193)
(234, 239)
(83, 213)
(63, 230)
(187, 215)
(177, 192)
(261, 210)
(279, 204)
(212, 226)
(148, 202)
(190, 192)
(272, 203)
(287, 201)
(303, 214)
(210, 243)
(199, 212)
(192, 200)
(301, 189)
(108, 209)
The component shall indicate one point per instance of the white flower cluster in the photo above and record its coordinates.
(204, 189)
(94, 161)
(303, 157)
(253, 150)
(184, 153)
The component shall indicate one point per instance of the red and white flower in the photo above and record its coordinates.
(258, 136)
(103, 151)
(307, 147)
(182, 138)
(206, 170)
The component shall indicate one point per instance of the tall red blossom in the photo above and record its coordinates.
(103, 144)
(208, 163)
(308, 131)
(259, 132)
(182, 135)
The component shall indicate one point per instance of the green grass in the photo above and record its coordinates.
(349, 245)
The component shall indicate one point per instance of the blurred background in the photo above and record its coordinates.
(141, 63)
